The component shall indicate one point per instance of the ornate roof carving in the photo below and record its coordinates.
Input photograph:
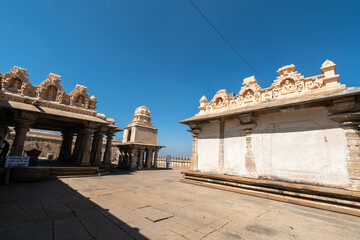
(288, 84)
(142, 116)
(16, 86)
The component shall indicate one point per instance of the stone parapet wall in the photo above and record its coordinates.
(175, 162)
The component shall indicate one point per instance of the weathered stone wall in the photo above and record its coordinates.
(298, 146)
(50, 142)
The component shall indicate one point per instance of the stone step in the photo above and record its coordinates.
(64, 171)
(319, 197)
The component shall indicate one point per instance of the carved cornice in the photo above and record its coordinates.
(16, 86)
(288, 84)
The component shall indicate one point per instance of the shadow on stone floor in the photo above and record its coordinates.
(53, 210)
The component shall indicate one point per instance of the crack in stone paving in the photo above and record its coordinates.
(264, 213)
(216, 229)
(159, 220)
(82, 224)
(22, 209)
(145, 207)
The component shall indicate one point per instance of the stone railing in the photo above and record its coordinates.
(175, 162)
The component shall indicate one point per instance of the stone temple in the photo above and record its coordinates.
(139, 148)
(47, 107)
(301, 130)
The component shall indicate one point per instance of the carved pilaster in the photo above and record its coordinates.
(350, 123)
(195, 130)
(345, 111)
(248, 124)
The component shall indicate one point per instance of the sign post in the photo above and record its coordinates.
(17, 161)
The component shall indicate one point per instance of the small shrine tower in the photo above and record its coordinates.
(140, 130)
(139, 148)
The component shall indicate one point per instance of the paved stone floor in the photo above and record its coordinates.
(155, 205)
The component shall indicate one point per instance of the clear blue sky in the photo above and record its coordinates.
(162, 53)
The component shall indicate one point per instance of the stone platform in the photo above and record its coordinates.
(156, 205)
(332, 199)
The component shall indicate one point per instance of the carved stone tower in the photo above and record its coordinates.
(140, 130)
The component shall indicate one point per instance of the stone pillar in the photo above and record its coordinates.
(141, 158)
(66, 145)
(97, 148)
(85, 149)
(127, 156)
(93, 147)
(133, 158)
(121, 158)
(76, 151)
(247, 124)
(155, 157)
(149, 158)
(195, 130)
(107, 154)
(353, 162)
(20, 137)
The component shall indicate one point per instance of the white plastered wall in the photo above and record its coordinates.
(234, 149)
(208, 148)
(298, 146)
(301, 146)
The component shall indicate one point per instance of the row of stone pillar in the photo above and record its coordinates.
(138, 158)
(87, 150)
(88, 147)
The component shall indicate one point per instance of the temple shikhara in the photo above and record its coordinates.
(300, 130)
(47, 107)
(139, 148)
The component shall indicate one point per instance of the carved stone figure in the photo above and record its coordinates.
(51, 93)
(15, 84)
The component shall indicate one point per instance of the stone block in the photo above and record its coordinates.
(354, 158)
(353, 136)
(153, 214)
(354, 170)
(354, 150)
(353, 142)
